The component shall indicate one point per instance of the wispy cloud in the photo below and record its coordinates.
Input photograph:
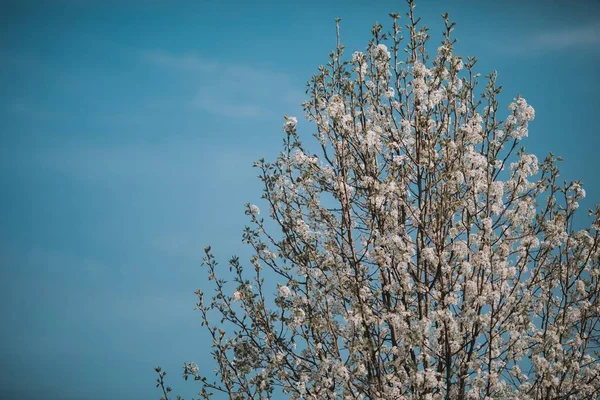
(169, 165)
(585, 36)
(189, 62)
(579, 36)
(229, 89)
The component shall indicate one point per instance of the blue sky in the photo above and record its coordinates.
(128, 133)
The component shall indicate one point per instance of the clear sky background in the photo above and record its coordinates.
(127, 135)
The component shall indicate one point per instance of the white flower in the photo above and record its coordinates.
(237, 296)
(254, 210)
(458, 63)
(299, 315)
(371, 139)
(284, 291)
(300, 157)
(290, 124)
(193, 368)
(382, 50)
(268, 255)
(420, 70)
(357, 57)
(335, 108)
(579, 191)
(436, 97)
(487, 225)
(580, 287)
(302, 229)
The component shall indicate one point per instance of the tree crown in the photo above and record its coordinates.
(421, 253)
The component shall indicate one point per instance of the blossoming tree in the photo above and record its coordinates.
(421, 252)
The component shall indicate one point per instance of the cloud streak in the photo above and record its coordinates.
(575, 37)
(580, 36)
(174, 166)
(229, 89)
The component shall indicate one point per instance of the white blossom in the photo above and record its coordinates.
(284, 291)
(290, 124)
